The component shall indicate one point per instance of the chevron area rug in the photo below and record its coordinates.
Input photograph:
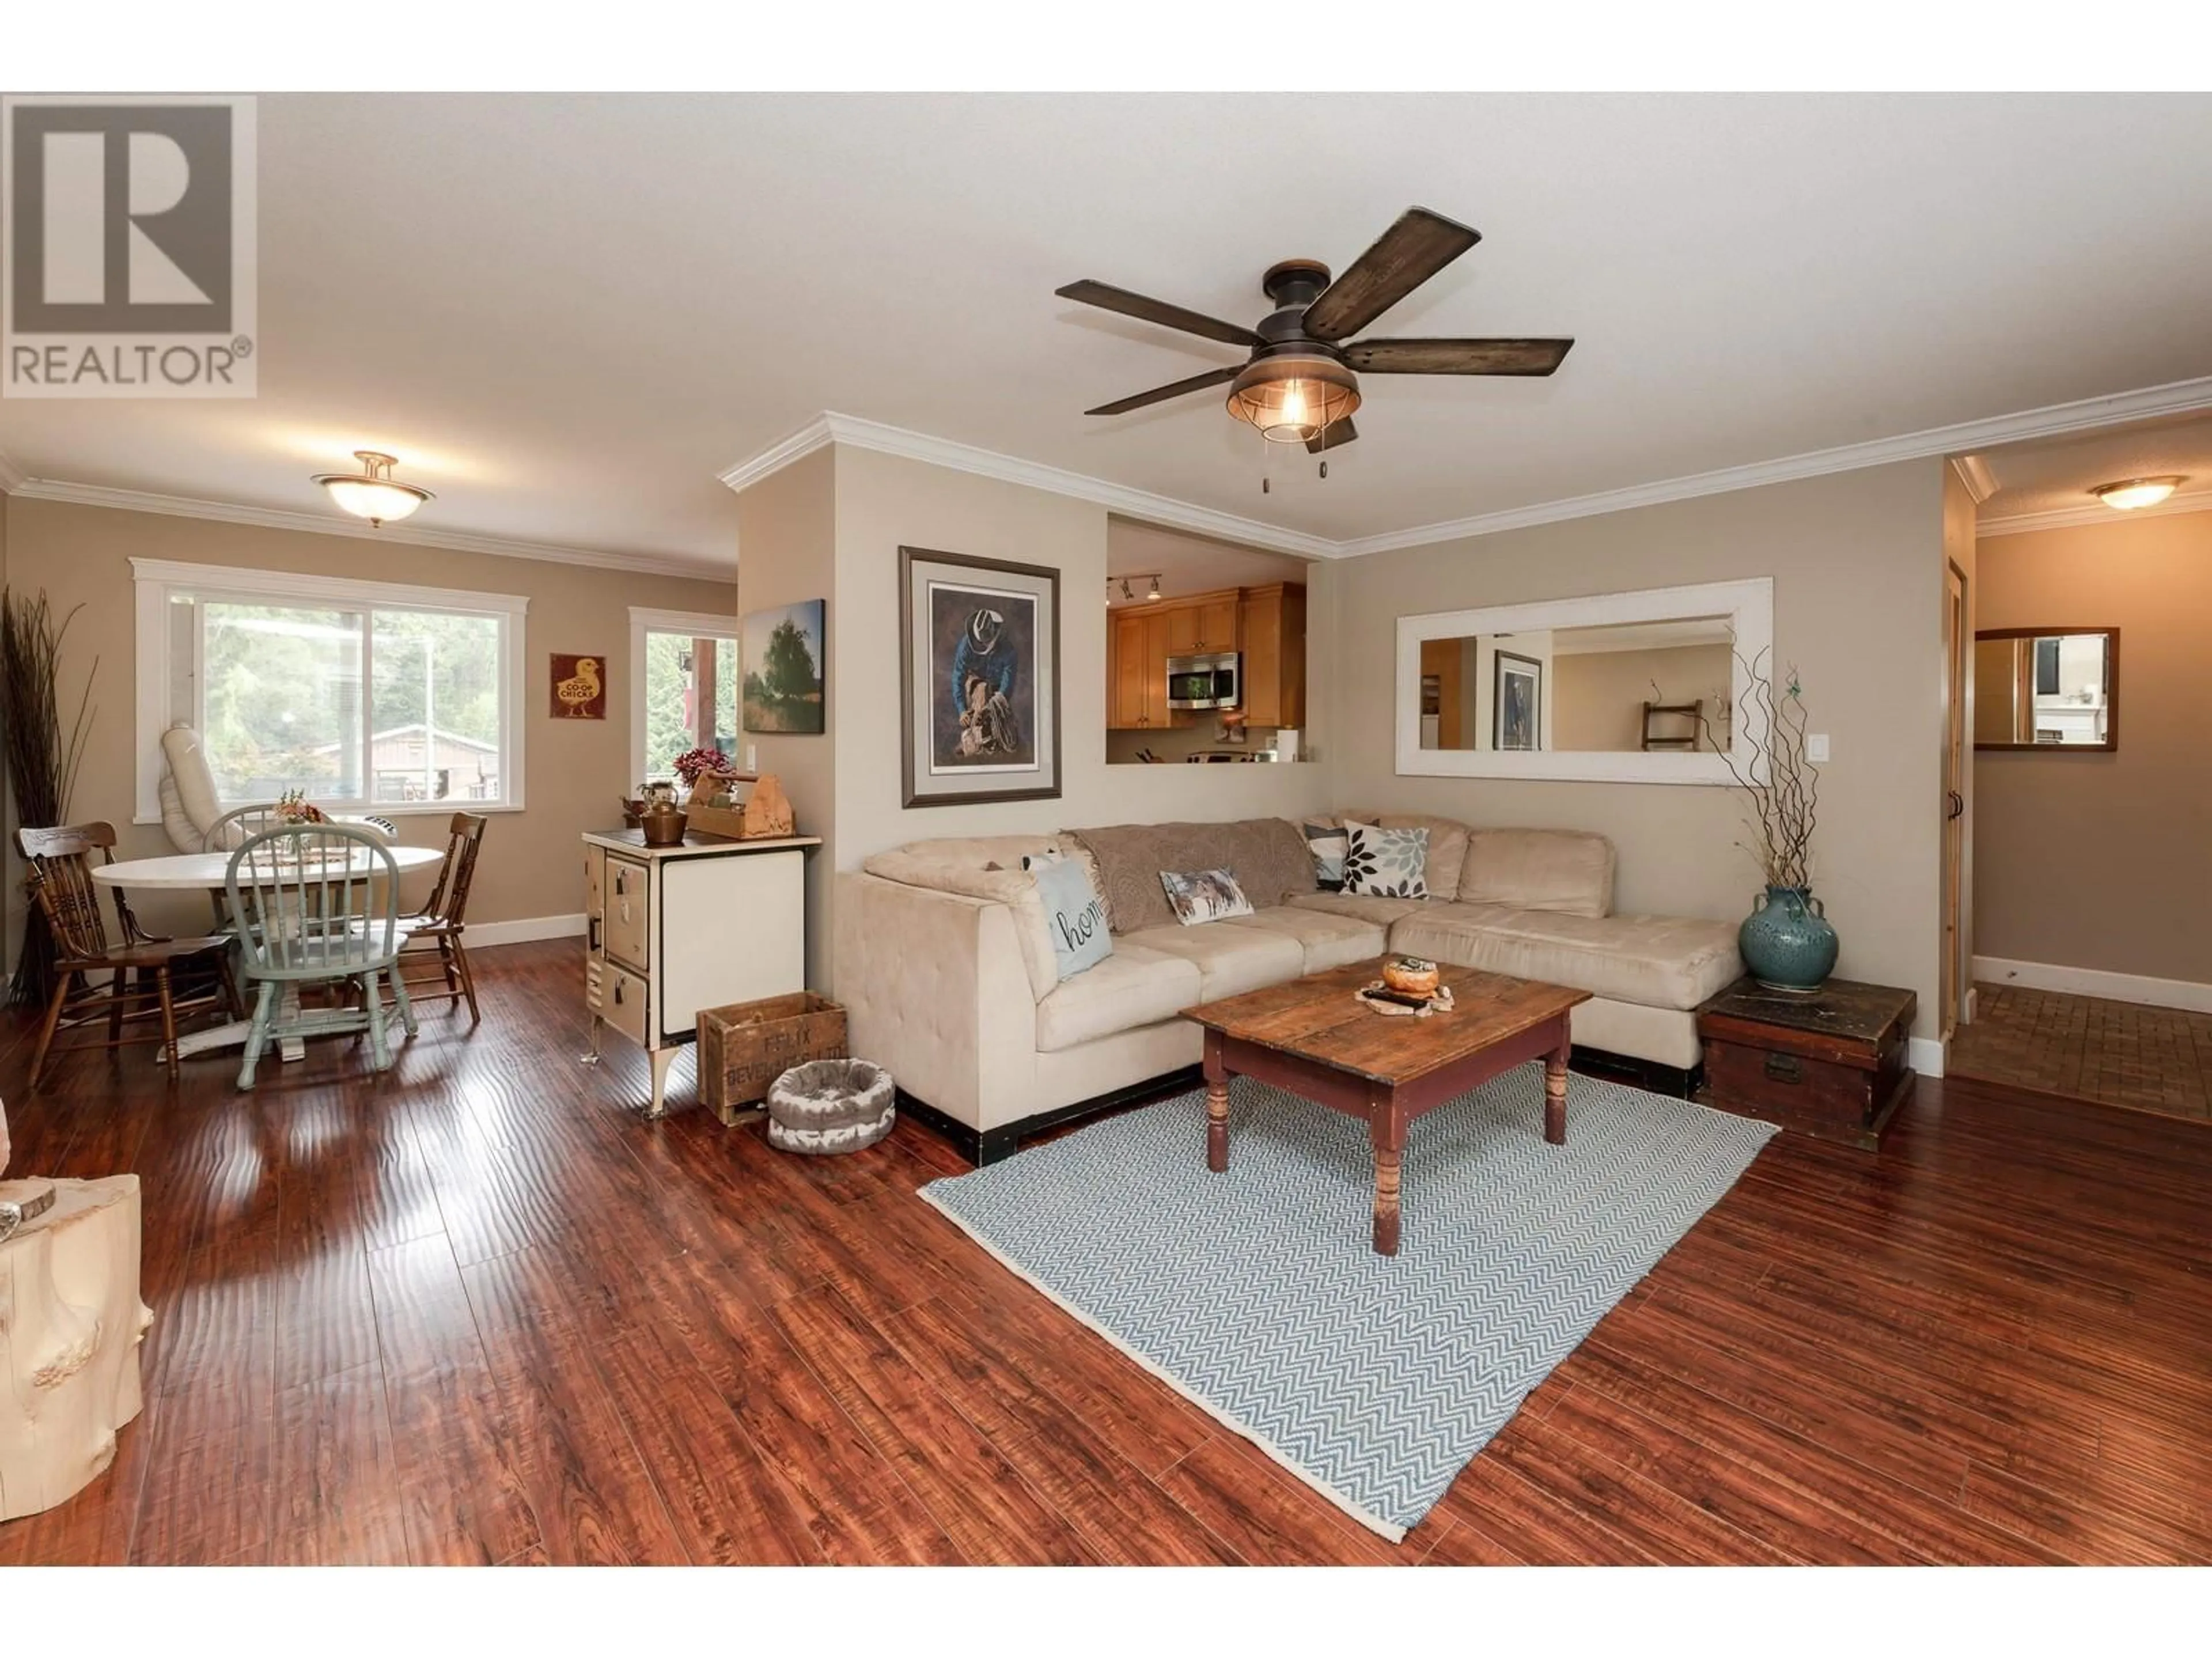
(1256, 1293)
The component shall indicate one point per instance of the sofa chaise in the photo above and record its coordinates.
(945, 966)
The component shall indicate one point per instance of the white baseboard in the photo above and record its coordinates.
(524, 929)
(1924, 1055)
(2096, 983)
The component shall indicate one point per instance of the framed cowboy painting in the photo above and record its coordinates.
(979, 660)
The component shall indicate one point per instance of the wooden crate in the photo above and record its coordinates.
(745, 1047)
(1830, 1064)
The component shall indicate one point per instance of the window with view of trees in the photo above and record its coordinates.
(356, 702)
(689, 695)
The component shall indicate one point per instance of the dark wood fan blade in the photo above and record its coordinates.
(1456, 356)
(1107, 297)
(1416, 248)
(1160, 394)
(1334, 435)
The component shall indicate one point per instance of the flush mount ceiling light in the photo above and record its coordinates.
(373, 493)
(2132, 493)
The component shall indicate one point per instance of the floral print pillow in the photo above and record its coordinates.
(1385, 863)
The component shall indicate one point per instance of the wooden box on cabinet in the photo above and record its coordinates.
(671, 929)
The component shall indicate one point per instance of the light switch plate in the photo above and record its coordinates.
(1816, 747)
(753, 755)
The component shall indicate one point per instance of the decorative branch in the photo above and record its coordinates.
(42, 762)
(1782, 791)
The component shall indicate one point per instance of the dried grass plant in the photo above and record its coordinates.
(1783, 788)
(43, 757)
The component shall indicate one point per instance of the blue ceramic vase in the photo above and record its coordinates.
(1786, 941)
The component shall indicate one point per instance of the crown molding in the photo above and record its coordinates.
(271, 518)
(1974, 472)
(857, 434)
(12, 477)
(2093, 513)
(2180, 397)
(777, 456)
(1958, 441)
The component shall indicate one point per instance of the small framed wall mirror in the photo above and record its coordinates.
(1650, 687)
(2047, 688)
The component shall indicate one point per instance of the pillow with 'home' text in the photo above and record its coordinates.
(1074, 915)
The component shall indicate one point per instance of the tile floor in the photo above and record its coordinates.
(2121, 1053)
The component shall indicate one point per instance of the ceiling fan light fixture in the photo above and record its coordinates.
(1291, 399)
(2132, 493)
(373, 493)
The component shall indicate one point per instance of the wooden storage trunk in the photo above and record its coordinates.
(1831, 1064)
(745, 1047)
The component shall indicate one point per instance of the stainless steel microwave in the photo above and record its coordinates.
(1208, 682)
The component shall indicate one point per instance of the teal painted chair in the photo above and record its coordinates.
(316, 904)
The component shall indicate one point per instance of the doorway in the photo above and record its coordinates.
(1957, 973)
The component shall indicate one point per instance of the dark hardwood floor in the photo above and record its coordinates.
(475, 1311)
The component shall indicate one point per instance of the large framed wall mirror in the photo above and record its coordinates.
(2047, 688)
(1650, 687)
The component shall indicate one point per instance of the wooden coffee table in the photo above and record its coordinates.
(1315, 1038)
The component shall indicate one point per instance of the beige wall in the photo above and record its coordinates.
(786, 554)
(2098, 860)
(577, 771)
(1856, 560)
(1598, 697)
(886, 500)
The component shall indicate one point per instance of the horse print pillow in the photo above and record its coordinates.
(1204, 895)
(1385, 863)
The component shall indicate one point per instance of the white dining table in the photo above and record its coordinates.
(207, 872)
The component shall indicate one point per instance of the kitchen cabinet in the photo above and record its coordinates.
(1205, 625)
(1217, 623)
(1137, 699)
(1268, 624)
(1273, 631)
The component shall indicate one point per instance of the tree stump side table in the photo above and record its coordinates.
(70, 1324)
(1829, 1063)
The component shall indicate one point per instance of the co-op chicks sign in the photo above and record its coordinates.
(130, 263)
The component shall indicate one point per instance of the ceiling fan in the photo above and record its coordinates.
(1301, 383)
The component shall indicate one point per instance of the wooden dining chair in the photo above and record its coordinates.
(61, 881)
(440, 923)
(316, 904)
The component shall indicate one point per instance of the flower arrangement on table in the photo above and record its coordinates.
(293, 807)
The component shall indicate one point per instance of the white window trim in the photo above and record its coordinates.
(699, 624)
(1749, 607)
(156, 579)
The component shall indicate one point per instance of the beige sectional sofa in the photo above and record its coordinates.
(946, 967)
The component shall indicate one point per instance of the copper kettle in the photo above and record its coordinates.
(662, 823)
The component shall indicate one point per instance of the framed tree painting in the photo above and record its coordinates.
(1516, 707)
(785, 654)
(979, 679)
